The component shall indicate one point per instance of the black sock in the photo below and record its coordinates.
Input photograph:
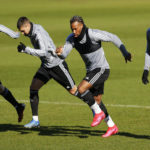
(87, 97)
(34, 101)
(103, 108)
(9, 97)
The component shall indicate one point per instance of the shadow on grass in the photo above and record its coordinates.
(78, 131)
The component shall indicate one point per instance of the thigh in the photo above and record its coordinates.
(62, 75)
(98, 98)
(97, 90)
(97, 77)
(91, 80)
(40, 78)
(84, 86)
(36, 84)
(42, 74)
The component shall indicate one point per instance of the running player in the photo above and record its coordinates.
(6, 93)
(88, 43)
(52, 66)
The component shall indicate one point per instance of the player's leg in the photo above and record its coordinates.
(107, 119)
(84, 93)
(61, 74)
(148, 41)
(92, 79)
(112, 128)
(73, 90)
(147, 59)
(6, 93)
(40, 78)
(97, 91)
(67, 79)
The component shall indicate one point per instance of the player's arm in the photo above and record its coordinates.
(9, 32)
(35, 52)
(104, 36)
(147, 59)
(63, 51)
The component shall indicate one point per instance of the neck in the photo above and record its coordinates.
(31, 29)
(80, 37)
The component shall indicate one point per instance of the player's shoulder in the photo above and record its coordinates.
(70, 37)
(94, 31)
(148, 30)
(37, 27)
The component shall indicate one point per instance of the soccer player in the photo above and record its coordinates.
(88, 43)
(147, 60)
(6, 93)
(52, 66)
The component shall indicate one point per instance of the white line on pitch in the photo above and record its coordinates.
(80, 104)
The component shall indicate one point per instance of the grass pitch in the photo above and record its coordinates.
(65, 120)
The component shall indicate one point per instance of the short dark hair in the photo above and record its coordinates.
(76, 18)
(21, 21)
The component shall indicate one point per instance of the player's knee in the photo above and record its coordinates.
(77, 94)
(36, 84)
(73, 90)
(34, 94)
(33, 87)
(98, 98)
(81, 90)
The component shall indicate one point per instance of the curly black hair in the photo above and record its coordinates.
(76, 18)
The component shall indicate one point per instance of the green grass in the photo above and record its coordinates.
(64, 126)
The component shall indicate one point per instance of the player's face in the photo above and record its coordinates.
(25, 29)
(76, 28)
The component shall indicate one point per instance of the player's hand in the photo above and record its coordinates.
(145, 77)
(128, 57)
(59, 50)
(21, 47)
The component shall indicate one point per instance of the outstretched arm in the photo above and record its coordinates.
(35, 52)
(147, 59)
(63, 51)
(9, 32)
(42, 51)
(99, 35)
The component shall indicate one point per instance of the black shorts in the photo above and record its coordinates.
(97, 77)
(59, 73)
